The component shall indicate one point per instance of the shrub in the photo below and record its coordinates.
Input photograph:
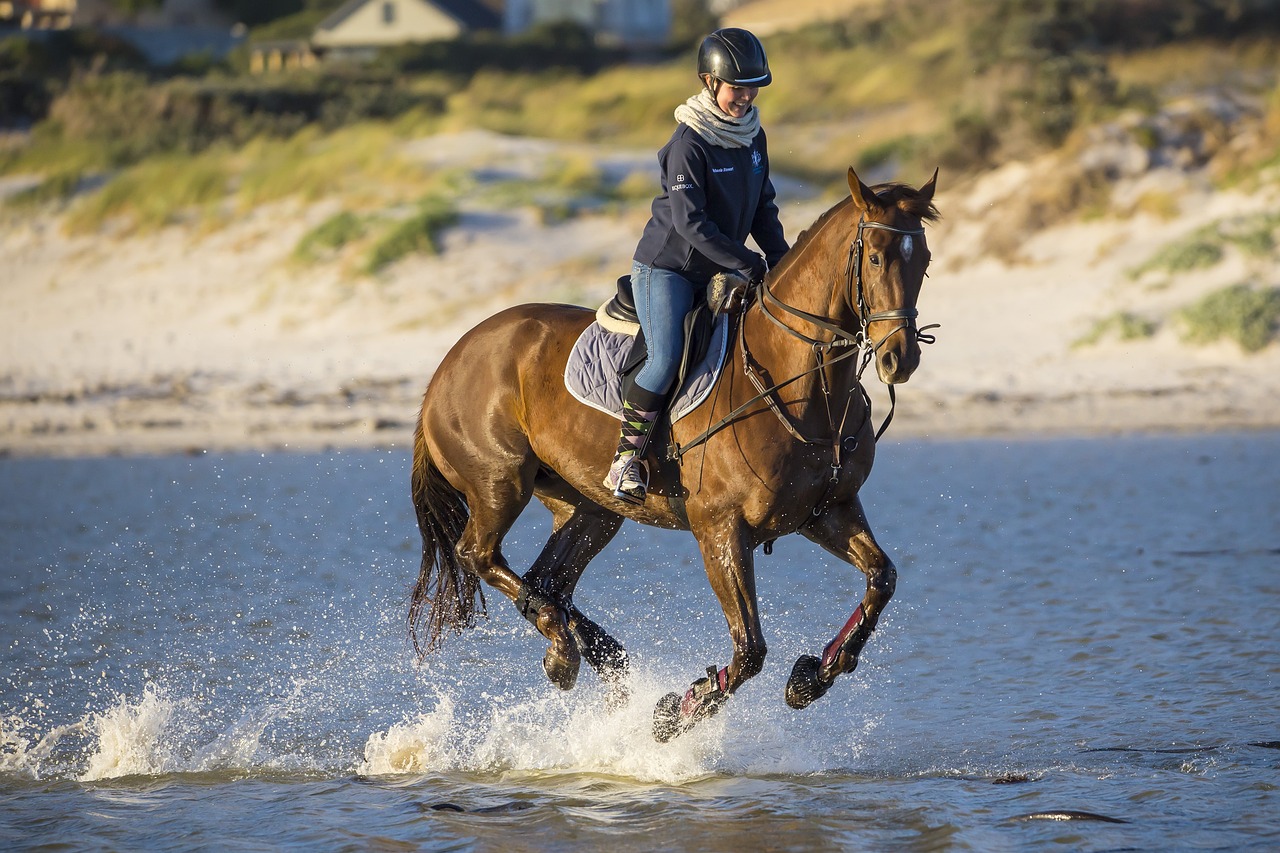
(1244, 314)
(1253, 235)
(1200, 251)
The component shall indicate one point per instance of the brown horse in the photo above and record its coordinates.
(790, 444)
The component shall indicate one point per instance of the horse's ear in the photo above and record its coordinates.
(930, 186)
(863, 196)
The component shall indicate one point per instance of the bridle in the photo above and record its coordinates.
(857, 343)
(860, 339)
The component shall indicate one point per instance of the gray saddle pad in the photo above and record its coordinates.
(592, 372)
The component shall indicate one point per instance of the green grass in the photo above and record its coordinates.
(157, 192)
(418, 234)
(1122, 325)
(1201, 249)
(330, 236)
(56, 188)
(1254, 236)
(1247, 315)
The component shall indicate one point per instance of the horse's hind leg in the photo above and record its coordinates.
(842, 529)
(496, 500)
(580, 531)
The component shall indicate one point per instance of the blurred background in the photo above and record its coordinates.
(232, 223)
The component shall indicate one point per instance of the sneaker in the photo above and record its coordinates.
(629, 478)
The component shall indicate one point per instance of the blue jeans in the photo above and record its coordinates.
(663, 298)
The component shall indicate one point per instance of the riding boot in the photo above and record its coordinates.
(629, 474)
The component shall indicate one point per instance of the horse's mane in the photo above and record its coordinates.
(893, 194)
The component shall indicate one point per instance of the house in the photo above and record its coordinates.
(358, 28)
(37, 14)
(365, 24)
(630, 22)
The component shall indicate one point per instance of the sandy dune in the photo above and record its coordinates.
(179, 341)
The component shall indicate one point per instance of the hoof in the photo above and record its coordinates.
(561, 670)
(675, 714)
(562, 660)
(804, 686)
(666, 718)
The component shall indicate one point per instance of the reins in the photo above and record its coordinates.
(853, 344)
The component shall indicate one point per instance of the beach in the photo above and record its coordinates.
(192, 339)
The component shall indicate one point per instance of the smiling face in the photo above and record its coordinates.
(733, 100)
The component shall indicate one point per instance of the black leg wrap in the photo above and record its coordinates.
(604, 654)
(531, 600)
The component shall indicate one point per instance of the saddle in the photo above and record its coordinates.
(724, 293)
(610, 351)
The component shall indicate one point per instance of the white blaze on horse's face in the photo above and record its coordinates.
(907, 247)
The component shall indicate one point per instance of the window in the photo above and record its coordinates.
(388, 13)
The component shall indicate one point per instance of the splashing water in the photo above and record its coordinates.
(177, 625)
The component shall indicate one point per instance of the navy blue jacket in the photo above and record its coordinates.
(712, 199)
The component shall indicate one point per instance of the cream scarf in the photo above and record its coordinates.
(715, 125)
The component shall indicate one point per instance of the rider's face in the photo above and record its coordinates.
(736, 100)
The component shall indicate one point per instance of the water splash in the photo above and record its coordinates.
(132, 738)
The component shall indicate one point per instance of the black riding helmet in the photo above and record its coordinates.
(734, 56)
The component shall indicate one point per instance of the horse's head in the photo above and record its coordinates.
(888, 261)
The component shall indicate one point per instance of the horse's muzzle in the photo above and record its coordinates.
(894, 365)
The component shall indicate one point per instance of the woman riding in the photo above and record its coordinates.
(715, 193)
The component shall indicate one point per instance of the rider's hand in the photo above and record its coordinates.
(756, 270)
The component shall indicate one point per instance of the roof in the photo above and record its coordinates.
(470, 14)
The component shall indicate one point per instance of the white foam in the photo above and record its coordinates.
(543, 731)
(131, 738)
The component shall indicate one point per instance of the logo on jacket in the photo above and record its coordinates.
(757, 162)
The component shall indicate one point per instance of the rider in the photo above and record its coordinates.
(715, 192)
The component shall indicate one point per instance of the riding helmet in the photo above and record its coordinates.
(734, 56)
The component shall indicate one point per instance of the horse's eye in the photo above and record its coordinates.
(875, 260)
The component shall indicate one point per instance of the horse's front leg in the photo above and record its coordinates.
(726, 553)
(842, 529)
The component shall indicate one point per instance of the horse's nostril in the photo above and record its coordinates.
(889, 361)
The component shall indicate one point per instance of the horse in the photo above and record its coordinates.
(790, 444)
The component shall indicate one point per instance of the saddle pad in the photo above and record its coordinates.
(598, 355)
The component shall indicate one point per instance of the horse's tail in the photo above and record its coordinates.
(446, 597)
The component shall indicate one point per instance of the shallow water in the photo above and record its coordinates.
(210, 651)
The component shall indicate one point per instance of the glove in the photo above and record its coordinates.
(756, 270)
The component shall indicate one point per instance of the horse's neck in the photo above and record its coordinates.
(815, 283)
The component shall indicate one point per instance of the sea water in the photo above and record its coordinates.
(211, 651)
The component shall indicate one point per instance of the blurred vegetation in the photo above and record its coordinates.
(1248, 315)
(1122, 326)
(1255, 236)
(894, 89)
(419, 233)
(330, 237)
